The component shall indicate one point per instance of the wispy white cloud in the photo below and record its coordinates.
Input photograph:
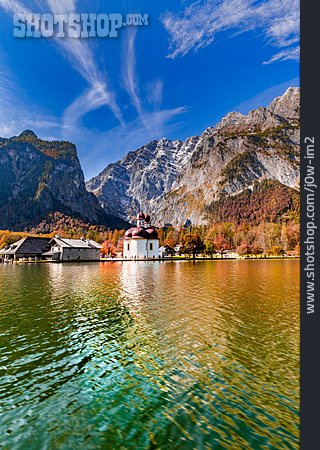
(18, 111)
(285, 55)
(280, 20)
(147, 126)
(98, 93)
(95, 97)
(13, 6)
(79, 55)
(129, 75)
(62, 6)
(154, 92)
(197, 26)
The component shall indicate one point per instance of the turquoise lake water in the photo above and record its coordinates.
(139, 355)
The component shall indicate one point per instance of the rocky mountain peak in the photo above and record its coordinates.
(232, 118)
(28, 134)
(259, 119)
(176, 180)
(41, 177)
(288, 104)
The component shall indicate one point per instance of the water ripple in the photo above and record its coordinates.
(167, 355)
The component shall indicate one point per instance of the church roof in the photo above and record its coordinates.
(139, 232)
(141, 216)
(151, 233)
(144, 233)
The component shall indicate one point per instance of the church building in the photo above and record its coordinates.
(141, 242)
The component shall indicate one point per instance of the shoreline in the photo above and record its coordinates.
(173, 259)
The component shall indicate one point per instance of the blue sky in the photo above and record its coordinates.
(191, 65)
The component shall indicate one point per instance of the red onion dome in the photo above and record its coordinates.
(128, 233)
(141, 215)
(147, 218)
(151, 233)
(139, 232)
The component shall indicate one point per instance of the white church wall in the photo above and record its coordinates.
(141, 248)
(153, 248)
(134, 248)
(127, 248)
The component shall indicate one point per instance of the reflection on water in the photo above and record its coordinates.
(193, 355)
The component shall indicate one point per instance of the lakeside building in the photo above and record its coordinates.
(141, 242)
(28, 247)
(73, 250)
(56, 249)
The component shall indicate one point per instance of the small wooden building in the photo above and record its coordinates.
(28, 247)
(73, 250)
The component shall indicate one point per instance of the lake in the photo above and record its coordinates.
(139, 355)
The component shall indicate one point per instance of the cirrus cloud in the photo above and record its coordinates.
(199, 23)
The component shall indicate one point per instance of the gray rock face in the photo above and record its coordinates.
(40, 177)
(141, 177)
(288, 105)
(174, 181)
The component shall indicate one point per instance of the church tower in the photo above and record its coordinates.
(141, 242)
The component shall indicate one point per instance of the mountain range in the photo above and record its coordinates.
(179, 181)
(246, 168)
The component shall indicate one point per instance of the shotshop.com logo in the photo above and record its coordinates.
(74, 25)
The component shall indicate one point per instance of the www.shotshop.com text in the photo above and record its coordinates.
(309, 187)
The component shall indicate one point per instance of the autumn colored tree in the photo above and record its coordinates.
(276, 250)
(7, 237)
(115, 237)
(221, 244)
(261, 237)
(161, 236)
(272, 235)
(209, 248)
(296, 250)
(244, 249)
(256, 249)
(209, 241)
(191, 244)
(171, 241)
(120, 246)
(108, 248)
(291, 234)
